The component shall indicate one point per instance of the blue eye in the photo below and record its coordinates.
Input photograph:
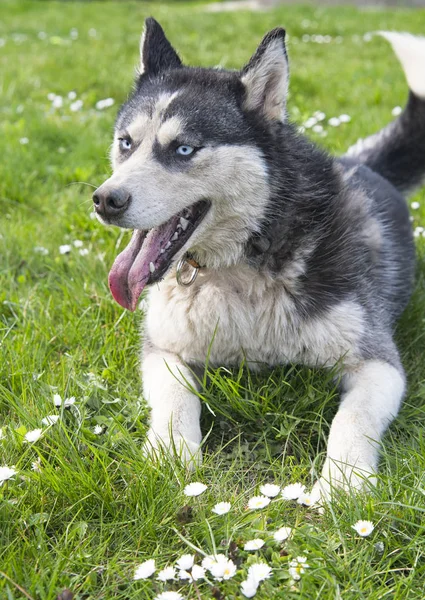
(185, 150)
(125, 144)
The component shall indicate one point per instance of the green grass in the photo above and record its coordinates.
(98, 507)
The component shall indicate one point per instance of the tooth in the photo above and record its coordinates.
(184, 223)
(175, 237)
(167, 245)
(162, 251)
(151, 267)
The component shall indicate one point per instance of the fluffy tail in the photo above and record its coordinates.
(397, 152)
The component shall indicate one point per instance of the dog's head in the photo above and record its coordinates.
(189, 157)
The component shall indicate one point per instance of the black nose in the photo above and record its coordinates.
(111, 203)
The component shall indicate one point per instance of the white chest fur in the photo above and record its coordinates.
(240, 313)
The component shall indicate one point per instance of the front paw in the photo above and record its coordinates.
(337, 475)
(165, 447)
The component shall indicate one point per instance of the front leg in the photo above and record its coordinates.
(175, 408)
(372, 395)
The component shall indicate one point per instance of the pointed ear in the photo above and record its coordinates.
(266, 77)
(156, 52)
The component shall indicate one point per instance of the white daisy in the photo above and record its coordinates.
(254, 544)
(270, 490)
(184, 575)
(306, 499)
(2, 436)
(197, 572)
(145, 570)
(36, 465)
(7, 473)
(78, 243)
(208, 562)
(249, 588)
(97, 429)
(41, 250)
(34, 435)
(259, 572)
(293, 491)
(185, 562)
(195, 489)
(57, 102)
(363, 528)
(415, 205)
(318, 129)
(257, 502)
(223, 569)
(282, 534)
(66, 402)
(83, 251)
(106, 103)
(297, 567)
(24, 141)
(397, 110)
(169, 596)
(319, 115)
(344, 118)
(221, 508)
(77, 105)
(57, 400)
(310, 123)
(64, 249)
(72, 95)
(50, 420)
(334, 122)
(167, 574)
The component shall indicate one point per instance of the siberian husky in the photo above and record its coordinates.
(261, 246)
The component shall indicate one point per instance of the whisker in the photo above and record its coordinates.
(88, 200)
(81, 183)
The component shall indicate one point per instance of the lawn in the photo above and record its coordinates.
(85, 507)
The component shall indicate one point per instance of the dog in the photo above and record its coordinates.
(262, 247)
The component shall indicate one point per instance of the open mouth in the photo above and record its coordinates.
(149, 254)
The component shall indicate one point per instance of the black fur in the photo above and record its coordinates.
(399, 152)
(314, 203)
(158, 55)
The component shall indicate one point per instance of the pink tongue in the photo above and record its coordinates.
(131, 269)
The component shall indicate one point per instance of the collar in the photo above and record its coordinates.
(187, 270)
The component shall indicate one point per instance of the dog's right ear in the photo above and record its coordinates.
(156, 52)
(265, 77)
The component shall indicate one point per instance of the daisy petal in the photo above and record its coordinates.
(195, 489)
(145, 570)
(254, 544)
(282, 534)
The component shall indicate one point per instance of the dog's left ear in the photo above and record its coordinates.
(266, 76)
(156, 52)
